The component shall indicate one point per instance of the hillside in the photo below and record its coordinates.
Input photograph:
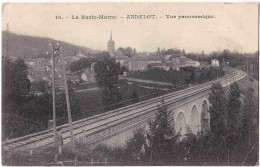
(36, 47)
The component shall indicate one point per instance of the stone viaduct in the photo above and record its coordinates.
(188, 107)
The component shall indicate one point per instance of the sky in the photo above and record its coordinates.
(234, 26)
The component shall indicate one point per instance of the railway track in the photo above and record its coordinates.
(44, 138)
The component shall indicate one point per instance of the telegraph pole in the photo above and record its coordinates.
(67, 99)
(53, 95)
(7, 41)
(246, 70)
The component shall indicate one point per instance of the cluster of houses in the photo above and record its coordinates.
(40, 69)
(140, 62)
(167, 62)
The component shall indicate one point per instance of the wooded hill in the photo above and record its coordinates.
(36, 47)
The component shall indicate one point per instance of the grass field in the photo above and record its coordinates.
(91, 101)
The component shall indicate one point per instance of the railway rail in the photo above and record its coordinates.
(104, 120)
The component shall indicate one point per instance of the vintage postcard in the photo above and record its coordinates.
(130, 83)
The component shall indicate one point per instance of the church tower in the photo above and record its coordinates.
(111, 44)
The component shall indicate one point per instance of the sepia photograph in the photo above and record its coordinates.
(130, 84)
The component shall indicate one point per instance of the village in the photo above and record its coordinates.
(40, 68)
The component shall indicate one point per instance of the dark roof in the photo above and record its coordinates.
(172, 57)
(204, 66)
(203, 63)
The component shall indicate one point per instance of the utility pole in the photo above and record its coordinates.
(67, 99)
(53, 95)
(7, 40)
(228, 156)
(246, 69)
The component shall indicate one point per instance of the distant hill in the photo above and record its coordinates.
(36, 47)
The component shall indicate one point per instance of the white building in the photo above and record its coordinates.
(121, 59)
(88, 74)
(214, 63)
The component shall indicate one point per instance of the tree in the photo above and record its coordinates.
(173, 51)
(81, 64)
(112, 98)
(183, 52)
(15, 86)
(15, 82)
(192, 149)
(161, 136)
(129, 52)
(233, 117)
(101, 56)
(134, 147)
(250, 115)
(40, 86)
(233, 107)
(106, 73)
(107, 77)
(217, 115)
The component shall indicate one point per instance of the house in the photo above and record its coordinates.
(38, 75)
(119, 57)
(78, 56)
(214, 63)
(182, 61)
(172, 58)
(179, 60)
(175, 62)
(192, 63)
(142, 62)
(170, 65)
(88, 75)
(155, 66)
(204, 65)
(165, 66)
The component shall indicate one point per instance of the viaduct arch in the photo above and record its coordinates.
(194, 120)
(193, 116)
(180, 124)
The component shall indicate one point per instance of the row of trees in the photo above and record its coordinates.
(129, 52)
(234, 58)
